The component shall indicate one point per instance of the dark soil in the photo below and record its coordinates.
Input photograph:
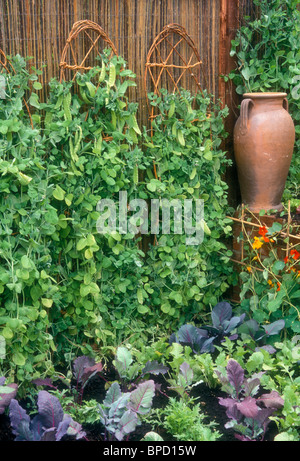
(95, 389)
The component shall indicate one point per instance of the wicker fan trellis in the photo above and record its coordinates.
(172, 44)
(176, 54)
(7, 65)
(92, 32)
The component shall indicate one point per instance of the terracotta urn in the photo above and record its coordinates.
(264, 137)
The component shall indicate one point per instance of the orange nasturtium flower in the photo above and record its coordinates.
(295, 254)
(257, 244)
(263, 231)
(270, 283)
(278, 285)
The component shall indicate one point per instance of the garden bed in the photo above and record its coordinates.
(207, 397)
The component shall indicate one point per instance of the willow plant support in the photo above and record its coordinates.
(171, 57)
(92, 35)
(171, 43)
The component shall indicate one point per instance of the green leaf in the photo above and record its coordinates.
(123, 361)
(84, 290)
(246, 73)
(47, 302)
(37, 86)
(24, 179)
(81, 244)
(34, 100)
(165, 307)
(142, 309)
(19, 359)
(26, 262)
(7, 333)
(88, 254)
(152, 437)
(59, 193)
(142, 397)
(278, 266)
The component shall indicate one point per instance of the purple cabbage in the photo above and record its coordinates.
(50, 424)
(7, 393)
(202, 339)
(119, 412)
(248, 415)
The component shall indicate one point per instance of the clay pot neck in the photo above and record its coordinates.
(266, 101)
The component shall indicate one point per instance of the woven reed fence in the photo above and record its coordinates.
(40, 29)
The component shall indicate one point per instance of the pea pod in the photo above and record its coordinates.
(102, 73)
(171, 110)
(133, 136)
(66, 105)
(206, 229)
(84, 96)
(174, 129)
(140, 295)
(189, 107)
(180, 138)
(71, 146)
(78, 141)
(134, 124)
(112, 75)
(98, 145)
(59, 102)
(92, 89)
(193, 174)
(114, 120)
(48, 119)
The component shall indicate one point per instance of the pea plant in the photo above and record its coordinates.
(63, 282)
(185, 145)
(26, 286)
(91, 136)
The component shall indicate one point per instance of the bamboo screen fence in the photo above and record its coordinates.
(39, 28)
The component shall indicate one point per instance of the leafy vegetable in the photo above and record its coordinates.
(50, 424)
(119, 412)
(249, 415)
(7, 393)
(201, 339)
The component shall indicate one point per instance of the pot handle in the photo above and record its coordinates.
(286, 104)
(245, 114)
